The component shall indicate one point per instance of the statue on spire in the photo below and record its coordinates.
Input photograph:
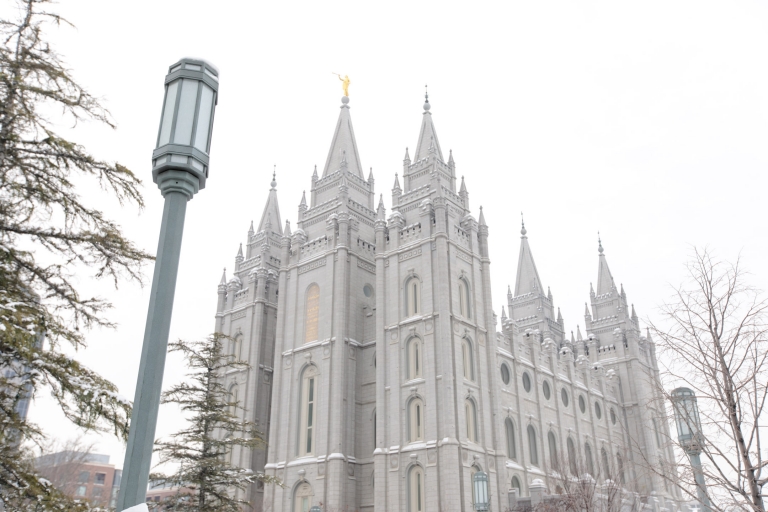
(345, 83)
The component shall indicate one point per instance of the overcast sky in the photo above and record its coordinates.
(646, 121)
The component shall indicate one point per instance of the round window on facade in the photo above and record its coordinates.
(613, 416)
(504, 373)
(582, 404)
(545, 388)
(526, 382)
(368, 291)
(598, 411)
(564, 396)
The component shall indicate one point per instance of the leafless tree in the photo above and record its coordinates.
(60, 463)
(713, 340)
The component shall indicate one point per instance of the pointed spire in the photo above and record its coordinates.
(509, 292)
(463, 188)
(482, 217)
(549, 294)
(314, 174)
(274, 182)
(634, 315)
(604, 278)
(270, 217)
(240, 252)
(427, 135)
(224, 277)
(586, 310)
(528, 278)
(303, 199)
(407, 156)
(250, 230)
(578, 334)
(503, 313)
(344, 147)
(397, 183)
(559, 316)
(287, 230)
(450, 158)
(381, 211)
(370, 176)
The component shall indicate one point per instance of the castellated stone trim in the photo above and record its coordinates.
(464, 256)
(366, 266)
(238, 315)
(313, 265)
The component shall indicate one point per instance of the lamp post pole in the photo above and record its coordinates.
(690, 437)
(180, 168)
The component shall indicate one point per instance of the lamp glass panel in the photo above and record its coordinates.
(204, 119)
(186, 115)
(167, 121)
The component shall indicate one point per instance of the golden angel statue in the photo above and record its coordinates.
(345, 83)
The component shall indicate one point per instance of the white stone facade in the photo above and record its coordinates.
(378, 372)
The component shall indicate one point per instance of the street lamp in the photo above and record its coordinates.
(180, 168)
(690, 437)
(480, 483)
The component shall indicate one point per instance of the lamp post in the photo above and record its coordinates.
(690, 437)
(180, 168)
(480, 483)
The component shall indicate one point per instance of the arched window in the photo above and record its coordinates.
(510, 431)
(312, 314)
(464, 303)
(564, 396)
(303, 498)
(582, 404)
(416, 490)
(588, 459)
(620, 467)
(516, 485)
(572, 457)
(471, 413)
(414, 358)
(308, 411)
(545, 389)
(533, 452)
(553, 462)
(467, 358)
(236, 347)
(505, 373)
(606, 469)
(526, 382)
(412, 296)
(415, 420)
(233, 399)
(598, 411)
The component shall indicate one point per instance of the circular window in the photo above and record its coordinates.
(368, 290)
(545, 388)
(564, 396)
(526, 382)
(613, 416)
(598, 411)
(504, 373)
(582, 404)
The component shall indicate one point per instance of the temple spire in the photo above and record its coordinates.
(270, 218)
(427, 135)
(343, 152)
(604, 278)
(223, 277)
(528, 278)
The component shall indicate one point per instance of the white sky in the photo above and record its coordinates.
(647, 121)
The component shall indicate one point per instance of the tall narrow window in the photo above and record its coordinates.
(552, 450)
(572, 457)
(516, 485)
(312, 314)
(588, 459)
(236, 347)
(620, 467)
(414, 358)
(415, 420)
(509, 428)
(412, 297)
(233, 399)
(467, 360)
(303, 498)
(606, 469)
(308, 411)
(464, 304)
(471, 413)
(656, 433)
(533, 452)
(416, 490)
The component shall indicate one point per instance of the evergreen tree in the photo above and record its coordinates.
(202, 449)
(49, 234)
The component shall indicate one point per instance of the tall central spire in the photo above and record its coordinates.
(343, 150)
(604, 278)
(528, 279)
(270, 218)
(427, 136)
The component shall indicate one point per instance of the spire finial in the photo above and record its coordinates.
(523, 231)
(599, 244)
(274, 173)
(426, 99)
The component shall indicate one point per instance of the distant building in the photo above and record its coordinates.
(158, 492)
(84, 476)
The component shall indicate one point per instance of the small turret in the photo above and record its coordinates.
(250, 231)
(287, 230)
(587, 314)
(560, 318)
(314, 175)
(396, 191)
(381, 211)
(303, 204)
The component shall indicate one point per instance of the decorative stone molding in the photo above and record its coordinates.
(311, 266)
